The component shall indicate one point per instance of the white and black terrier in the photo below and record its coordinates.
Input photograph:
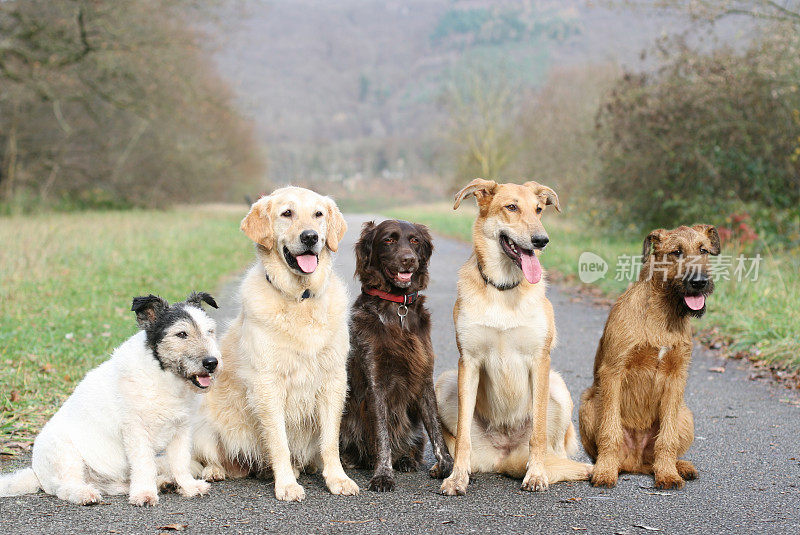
(107, 436)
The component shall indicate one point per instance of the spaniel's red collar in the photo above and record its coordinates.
(406, 299)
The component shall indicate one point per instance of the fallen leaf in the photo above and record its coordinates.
(717, 369)
(46, 368)
(13, 396)
(175, 527)
(646, 528)
(576, 528)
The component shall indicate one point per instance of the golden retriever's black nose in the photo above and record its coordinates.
(539, 241)
(210, 363)
(309, 238)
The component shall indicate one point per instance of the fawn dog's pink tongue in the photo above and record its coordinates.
(695, 302)
(204, 380)
(307, 262)
(531, 267)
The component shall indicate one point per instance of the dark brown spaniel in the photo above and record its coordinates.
(390, 371)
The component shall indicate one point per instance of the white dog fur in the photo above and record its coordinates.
(106, 437)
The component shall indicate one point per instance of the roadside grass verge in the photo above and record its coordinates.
(66, 284)
(760, 318)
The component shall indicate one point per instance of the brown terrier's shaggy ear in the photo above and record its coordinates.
(257, 224)
(713, 236)
(336, 226)
(198, 298)
(148, 309)
(482, 188)
(546, 194)
(650, 241)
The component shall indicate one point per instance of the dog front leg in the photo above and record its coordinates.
(668, 439)
(433, 426)
(179, 457)
(609, 434)
(270, 412)
(468, 376)
(536, 475)
(142, 462)
(383, 477)
(329, 408)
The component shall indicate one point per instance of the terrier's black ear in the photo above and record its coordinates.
(148, 309)
(197, 298)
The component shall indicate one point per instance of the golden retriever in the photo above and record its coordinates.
(506, 411)
(279, 397)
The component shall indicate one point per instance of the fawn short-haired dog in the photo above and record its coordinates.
(506, 411)
(390, 371)
(106, 437)
(633, 418)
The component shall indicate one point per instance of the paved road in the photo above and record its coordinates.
(746, 448)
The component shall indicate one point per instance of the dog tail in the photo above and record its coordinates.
(570, 440)
(562, 469)
(20, 482)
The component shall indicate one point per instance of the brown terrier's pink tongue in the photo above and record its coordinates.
(531, 267)
(307, 262)
(404, 277)
(695, 302)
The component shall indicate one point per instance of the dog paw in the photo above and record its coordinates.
(87, 495)
(454, 486)
(343, 486)
(292, 492)
(406, 464)
(604, 478)
(687, 470)
(669, 480)
(195, 488)
(213, 472)
(441, 469)
(381, 483)
(535, 479)
(143, 497)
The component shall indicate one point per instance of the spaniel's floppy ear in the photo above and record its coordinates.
(257, 224)
(198, 298)
(336, 226)
(650, 241)
(148, 309)
(364, 245)
(546, 194)
(425, 241)
(482, 188)
(713, 236)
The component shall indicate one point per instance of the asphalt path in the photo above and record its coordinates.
(747, 448)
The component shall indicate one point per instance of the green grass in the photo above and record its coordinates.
(66, 284)
(760, 318)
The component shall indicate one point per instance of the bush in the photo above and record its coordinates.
(705, 135)
(114, 104)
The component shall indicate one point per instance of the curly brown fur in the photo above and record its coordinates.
(633, 418)
(390, 371)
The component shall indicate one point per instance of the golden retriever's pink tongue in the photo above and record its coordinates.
(531, 267)
(307, 262)
(204, 380)
(695, 302)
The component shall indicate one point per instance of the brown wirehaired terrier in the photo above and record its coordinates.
(633, 418)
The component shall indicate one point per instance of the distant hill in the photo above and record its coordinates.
(345, 88)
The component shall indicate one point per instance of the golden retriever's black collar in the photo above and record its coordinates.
(501, 287)
(305, 295)
(405, 299)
